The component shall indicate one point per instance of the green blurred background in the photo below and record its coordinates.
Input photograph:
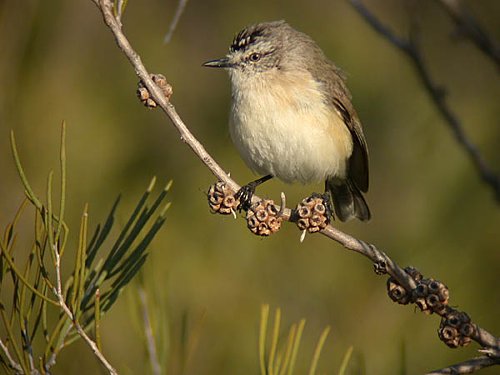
(430, 210)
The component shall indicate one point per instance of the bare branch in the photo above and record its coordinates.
(52, 360)
(436, 93)
(177, 16)
(29, 349)
(467, 367)
(469, 27)
(383, 263)
(12, 363)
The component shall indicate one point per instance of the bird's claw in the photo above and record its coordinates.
(245, 195)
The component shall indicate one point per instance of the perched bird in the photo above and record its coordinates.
(292, 116)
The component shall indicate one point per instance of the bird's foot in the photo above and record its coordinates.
(246, 192)
(244, 195)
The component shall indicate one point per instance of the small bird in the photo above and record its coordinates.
(292, 116)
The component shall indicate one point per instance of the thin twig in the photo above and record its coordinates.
(52, 360)
(436, 93)
(62, 303)
(282, 204)
(12, 363)
(466, 367)
(383, 263)
(469, 27)
(177, 16)
(119, 10)
(148, 331)
(29, 349)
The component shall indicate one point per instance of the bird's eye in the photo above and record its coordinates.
(255, 56)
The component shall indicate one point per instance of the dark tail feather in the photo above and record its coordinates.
(348, 201)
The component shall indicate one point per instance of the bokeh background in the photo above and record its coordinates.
(430, 210)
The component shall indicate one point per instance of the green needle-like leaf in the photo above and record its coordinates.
(101, 235)
(29, 191)
(274, 341)
(18, 274)
(288, 350)
(345, 360)
(264, 317)
(62, 202)
(296, 344)
(317, 351)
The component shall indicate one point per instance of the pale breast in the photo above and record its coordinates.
(282, 126)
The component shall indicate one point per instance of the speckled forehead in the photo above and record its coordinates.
(259, 44)
(246, 38)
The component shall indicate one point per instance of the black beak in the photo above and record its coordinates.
(220, 63)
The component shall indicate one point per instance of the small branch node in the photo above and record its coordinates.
(145, 96)
(282, 204)
(380, 265)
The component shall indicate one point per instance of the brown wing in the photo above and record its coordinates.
(337, 93)
(358, 162)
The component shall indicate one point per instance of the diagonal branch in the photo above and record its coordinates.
(411, 49)
(470, 28)
(11, 362)
(383, 263)
(466, 367)
(177, 16)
